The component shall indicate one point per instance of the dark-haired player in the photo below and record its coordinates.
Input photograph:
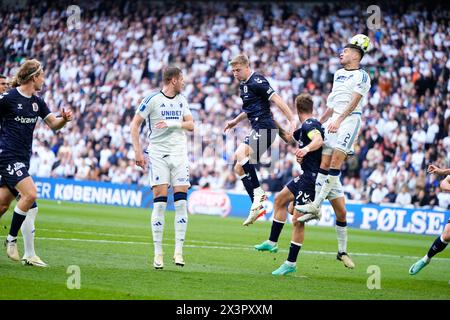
(350, 87)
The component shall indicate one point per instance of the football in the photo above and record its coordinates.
(362, 41)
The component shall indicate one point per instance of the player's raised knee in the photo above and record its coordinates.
(238, 169)
(30, 197)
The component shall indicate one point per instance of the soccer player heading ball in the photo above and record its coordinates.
(350, 87)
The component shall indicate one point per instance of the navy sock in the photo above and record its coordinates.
(276, 230)
(250, 170)
(341, 224)
(160, 199)
(248, 186)
(16, 223)
(437, 247)
(179, 196)
(334, 172)
(293, 252)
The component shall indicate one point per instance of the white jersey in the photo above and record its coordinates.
(158, 107)
(346, 82)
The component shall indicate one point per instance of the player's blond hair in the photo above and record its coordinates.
(26, 72)
(240, 59)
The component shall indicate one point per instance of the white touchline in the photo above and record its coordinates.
(237, 247)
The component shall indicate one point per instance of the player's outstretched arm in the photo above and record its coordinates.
(231, 124)
(356, 97)
(284, 134)
(56, 123)
(286, 111)
(438, 171)
(316, 143)
(134, 130)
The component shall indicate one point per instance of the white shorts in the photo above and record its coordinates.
(168, 169)
(344, 138)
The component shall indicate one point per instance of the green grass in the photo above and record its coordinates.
(112, 246)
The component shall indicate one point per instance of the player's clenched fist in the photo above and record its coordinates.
(141, 161)
(67, 115)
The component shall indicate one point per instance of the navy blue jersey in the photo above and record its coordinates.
(255, 94)
(18, 117)
(311, 162)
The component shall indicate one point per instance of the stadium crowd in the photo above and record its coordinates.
(103, 66)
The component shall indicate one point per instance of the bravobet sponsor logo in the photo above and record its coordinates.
(398, 220)
(26, 119)
(209, 202)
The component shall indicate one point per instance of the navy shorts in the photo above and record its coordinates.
(260, 141)
(12, 171)
(303, 188)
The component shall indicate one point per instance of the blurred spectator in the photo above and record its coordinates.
(404, 197)
(104, 69)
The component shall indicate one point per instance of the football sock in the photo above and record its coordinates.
(28, 231)
(159, 208)
(331, 179)
(275, 231)
(251, 171)
(438, 245)
(181, 219)
(320, 180)
(17, 220)
(293, 252)
(246, 180)
(341, 230)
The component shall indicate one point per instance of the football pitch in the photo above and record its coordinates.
(109, 250)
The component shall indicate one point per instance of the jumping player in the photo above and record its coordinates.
(350, 87)
(256, 94)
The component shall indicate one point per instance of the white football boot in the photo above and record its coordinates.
(158, 261)
(178, 259)
(257, 210)
(34, 261)
(11, 250)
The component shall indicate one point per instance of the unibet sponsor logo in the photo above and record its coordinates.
(169, 113)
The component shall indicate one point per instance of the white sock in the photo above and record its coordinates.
(258, 190)
(426, 259)
(325, 190)
(10, 238)
(342, 238)
(181, 219)
(159, 208)
(289, 263)
(28, 232)
(320, 180)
